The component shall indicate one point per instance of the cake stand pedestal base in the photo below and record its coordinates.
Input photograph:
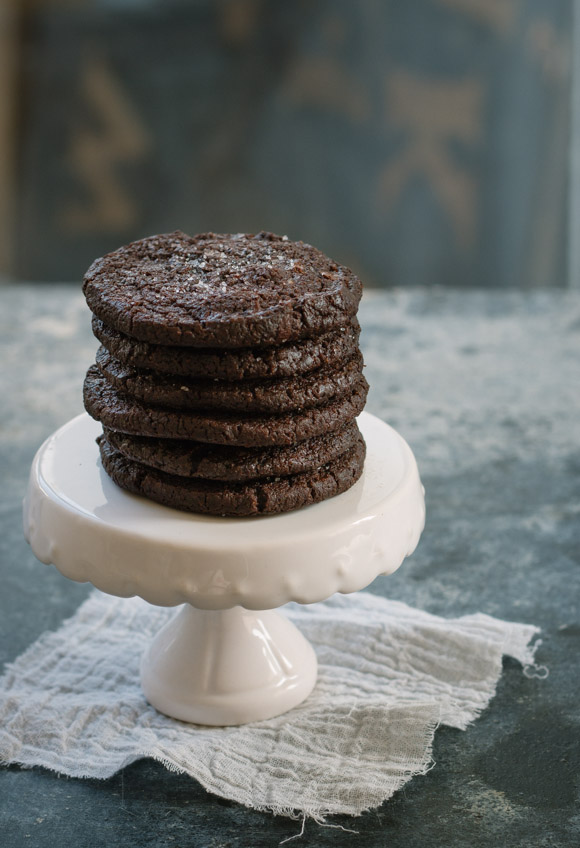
(227, 667)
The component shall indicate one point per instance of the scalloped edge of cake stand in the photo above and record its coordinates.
(227, 657)
(92, 531)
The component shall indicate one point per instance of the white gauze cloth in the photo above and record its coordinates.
(388, 675)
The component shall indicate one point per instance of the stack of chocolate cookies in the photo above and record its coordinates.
(229, 375)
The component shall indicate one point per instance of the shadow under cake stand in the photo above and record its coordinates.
(227, 657)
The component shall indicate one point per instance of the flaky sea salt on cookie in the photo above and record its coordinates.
(224, 291)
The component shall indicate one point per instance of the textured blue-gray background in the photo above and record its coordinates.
(422, 142)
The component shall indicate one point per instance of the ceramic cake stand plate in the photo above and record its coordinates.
(227, 657)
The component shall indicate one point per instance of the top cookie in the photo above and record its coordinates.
(222, 291)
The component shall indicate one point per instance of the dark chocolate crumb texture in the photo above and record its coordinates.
(326, 351)
(225, 291)
(229, 377)
(258, 497)
(185, 458)
(127, 415)
(273, 396)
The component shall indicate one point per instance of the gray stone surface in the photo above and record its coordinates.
(485, 387)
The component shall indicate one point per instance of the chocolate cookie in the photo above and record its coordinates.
(326, 351)
(273, 397)
(260, 497)
(193, 459)
(119, 412)
(225, 291)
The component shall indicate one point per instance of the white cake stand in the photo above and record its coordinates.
(227, 657)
